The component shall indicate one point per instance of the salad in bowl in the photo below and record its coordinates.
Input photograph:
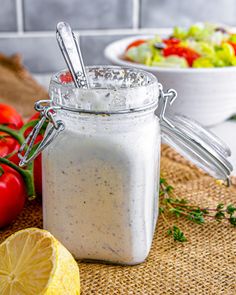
(199, 62)
(199, 46)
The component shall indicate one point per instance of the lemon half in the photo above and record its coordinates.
(33, 262)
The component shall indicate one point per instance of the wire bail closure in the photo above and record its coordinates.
(190, 141)
(48, 113)
(166, 99)
(28, 152)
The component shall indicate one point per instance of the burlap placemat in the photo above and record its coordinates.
(206, 264)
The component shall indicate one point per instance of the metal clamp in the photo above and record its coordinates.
(27, 152)
(165, 99)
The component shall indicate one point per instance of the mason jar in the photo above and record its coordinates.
(101, 169)
(100, 176)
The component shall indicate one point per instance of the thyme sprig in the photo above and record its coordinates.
(171, 204)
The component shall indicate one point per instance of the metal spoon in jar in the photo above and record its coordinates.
(71, 52)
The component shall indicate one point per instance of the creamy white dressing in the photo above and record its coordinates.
(100, 182)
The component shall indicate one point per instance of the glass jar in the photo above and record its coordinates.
(101, 169)
(100, 176)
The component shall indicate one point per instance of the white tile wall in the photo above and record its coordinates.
(28, 26)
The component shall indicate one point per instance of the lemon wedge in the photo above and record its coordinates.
(33, 262)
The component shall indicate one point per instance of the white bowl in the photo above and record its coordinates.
(206, 95)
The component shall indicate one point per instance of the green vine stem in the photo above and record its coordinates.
(17, 134)
(28, 173)
(1, 171)
(28, 125)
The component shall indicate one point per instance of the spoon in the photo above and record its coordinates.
(71, 52)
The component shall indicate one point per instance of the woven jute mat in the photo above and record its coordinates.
(205, 264)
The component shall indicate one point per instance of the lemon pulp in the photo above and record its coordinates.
(33, 262)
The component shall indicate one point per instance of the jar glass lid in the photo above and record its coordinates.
(194, 142)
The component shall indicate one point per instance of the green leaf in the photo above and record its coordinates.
(169, 188)
(169, 232)
(232, 220)
(161, 193)
(178, 235)
(1, 171)
(205, 211)
(161, 210)
(177, 201)
(230, 209)
(162, 180)
(182, 201)
(176, 211)
(196, 217)
(219, 216)
(220, 207)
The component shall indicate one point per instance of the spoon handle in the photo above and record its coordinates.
(71, 52)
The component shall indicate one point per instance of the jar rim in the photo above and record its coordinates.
(152, 79)
(138, 88)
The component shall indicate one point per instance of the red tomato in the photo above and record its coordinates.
(36, 116)
(189, 54)
(10, 117)
(12, 194)
(8, 145)
(38, 160)
(39, 138)
(234, 46)
(136, 43)
(171, 41)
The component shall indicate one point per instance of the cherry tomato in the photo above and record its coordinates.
(36, 116)
(9, 145)
(12, 194)
(189, 54)
(10, 117)
(39, 138)
(136, 43)
(171, 41)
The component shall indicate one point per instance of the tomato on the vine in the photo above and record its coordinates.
(9, 145)
(35, 117)
(12, 194)
(16, 184)
(10, 142)
(10, 117)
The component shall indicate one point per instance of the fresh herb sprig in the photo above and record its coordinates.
(171, 204)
